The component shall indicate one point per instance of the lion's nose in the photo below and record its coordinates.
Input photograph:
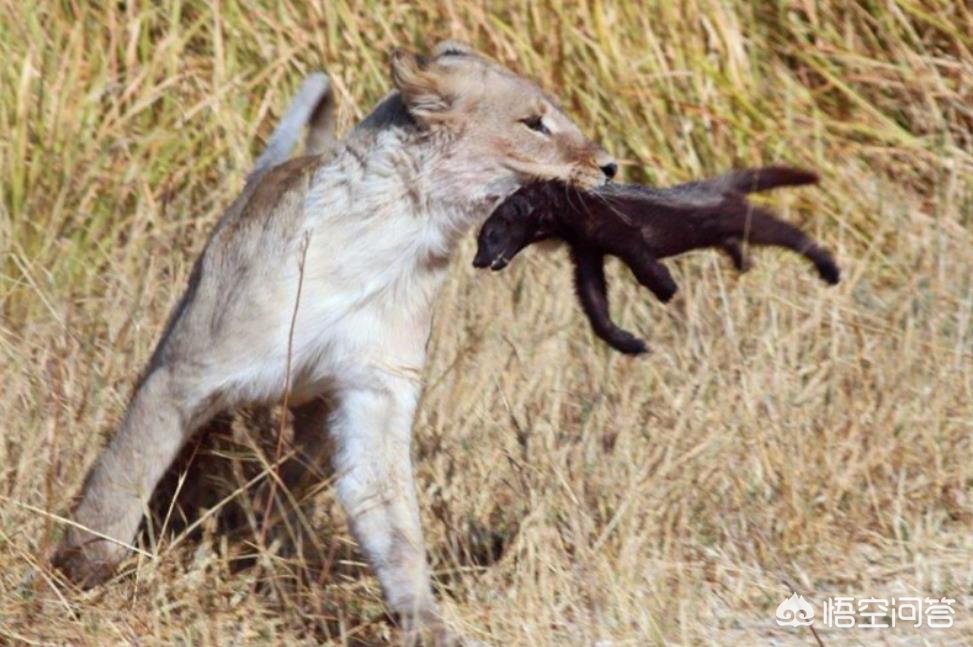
(609, 169)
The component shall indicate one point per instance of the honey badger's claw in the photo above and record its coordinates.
(665, 292)
(734, 249)
(626, 342)
(828, 269)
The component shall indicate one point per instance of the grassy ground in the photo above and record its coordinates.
(782, 436)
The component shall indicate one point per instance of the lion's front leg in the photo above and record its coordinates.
(372, 431)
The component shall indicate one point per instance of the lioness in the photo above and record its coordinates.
(364, 237)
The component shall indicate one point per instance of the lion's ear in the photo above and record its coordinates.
(422, 84)
(453, 48)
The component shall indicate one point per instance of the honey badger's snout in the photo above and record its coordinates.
(512, 226)
(492, 242)
(491, 256)
(482, 258)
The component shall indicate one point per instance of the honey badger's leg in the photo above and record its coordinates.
(734, 249)
(589, 281)
(759, 227)
(645, 266)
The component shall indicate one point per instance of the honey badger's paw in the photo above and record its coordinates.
(827, 268)
(665, 288)
(624, 341)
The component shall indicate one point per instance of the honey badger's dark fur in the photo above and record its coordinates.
(641, 225)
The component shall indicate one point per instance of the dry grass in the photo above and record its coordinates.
(781, 435)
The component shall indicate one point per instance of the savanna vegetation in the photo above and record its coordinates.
(782, 436)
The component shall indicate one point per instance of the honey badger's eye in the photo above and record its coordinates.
(536, 123)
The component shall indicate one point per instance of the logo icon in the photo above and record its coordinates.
(795, 611)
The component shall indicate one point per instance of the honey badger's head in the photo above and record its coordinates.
(508, 230)
(518, 221)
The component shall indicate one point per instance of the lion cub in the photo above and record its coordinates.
(641, 225)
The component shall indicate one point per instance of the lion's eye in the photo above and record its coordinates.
(536, 123)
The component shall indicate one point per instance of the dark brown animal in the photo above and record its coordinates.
(641, 225)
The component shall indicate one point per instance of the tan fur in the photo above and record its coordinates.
(373, 226)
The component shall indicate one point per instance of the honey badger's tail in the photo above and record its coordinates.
(752, 180)
(740, 221)
(748, 180)
(313, 106)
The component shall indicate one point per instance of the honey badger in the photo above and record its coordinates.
(641, 225)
